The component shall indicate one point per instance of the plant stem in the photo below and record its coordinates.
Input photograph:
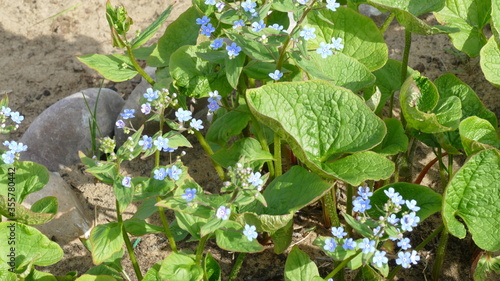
(128, 244)
(277, 156)
(342, 265)
(348, 207)
(263, 143)
(441, 251)
(237, 266)
(201, 247)
(330, 207)
(164, 221)
(450, 166)
(209, 151)
(138, 67)
(442, 168)
(406, 55)
(425, 170)
(387, 23)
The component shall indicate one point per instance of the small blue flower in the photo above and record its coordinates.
(360, 205)
(276, 75)
(324, 50)
(202, 21)
(217, 43)
(5, 111)
(378, 231)
(398, 200)
(146, 142)
(209, 2)
(367, 246)
(303, 2)
(8, 157)
(120, 124)
(250, 232)
(379, 258)
(151, 95)
(174, 172)
(414, 258)
(409, 221)
(412, 205)
(338, 232)
(183, 115)
(330, 245)
(258, 26)
(233, 50)
(161, 143)
(196, 124)
(332, 5)
(213, 106)
(404, 259)
(404, 243)
(223, 213)
(393, 219)
(128, 113)
(220, 6)
(276, 27)
(255, 179)
(330, 279)
(249, 6)
(214, 96)
(189, 194)
(160, 174)
(364, 192)
(238, 23)
(349, 244)
(127, 181)
(308, 33)
(337, 44)
(16, 117)
(207, 29)
(146, 108)
(15, 147)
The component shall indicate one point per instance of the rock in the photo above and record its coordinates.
(70, 221)
(55, 137)
(369, 11)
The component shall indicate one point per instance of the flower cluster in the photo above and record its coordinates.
(173, 173)
(15, 149)
(325, 49)
(245, 178)
(214, 101)
(15, 117)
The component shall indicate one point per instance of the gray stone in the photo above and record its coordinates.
(55, 137)
(71, 220)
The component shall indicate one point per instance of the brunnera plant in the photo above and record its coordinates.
(310, 79)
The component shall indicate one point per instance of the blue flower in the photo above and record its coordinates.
(332, 5)
(337, 44)
(217, 43)
(128, 113)
(209, 2)
(151, 95)
(412, 205)
(404, 259)
(220, 6)
(393, 219)
(214, 96)
(183, 115)
(213, 106)
(276, 75)
(258, 26)
(146, 108)
(207, 29)
(160, 174)
(196, 124)
(395, 197)
(409, 221)
(360, 205)
(189, 194)
(378, 231)
(127, 181)
(174, 172)
(308, 33)
(324, 50)
(303, 2)
(16, 117)
(250, 232)
(223, 213)
(255, 179)
(276, 27)
(202, 21)
(404, 243)
(414, 258)
(5, 111)
(15, 147)
(330, 245)
(120, 124)
(364, 192)
(238, 23)
(349, 244)
(233, 50)
(161, 143)
(367, 246)
(146, 142)
(379, 258)
(249, 6)
(8, 157)
(338, 232)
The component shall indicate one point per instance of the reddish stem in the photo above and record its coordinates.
(426, 169)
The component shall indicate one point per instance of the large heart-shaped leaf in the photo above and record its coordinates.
(42, 211)
(180, 267)
(106, 239)
(28, 177)
(365, 44)
(320, 122)
(473, 196)
(299, 267)
(231, 238)
(395, 141)
(477, 134)
(490, 61)
(415, 8)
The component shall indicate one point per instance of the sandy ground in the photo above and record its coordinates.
(39, 67)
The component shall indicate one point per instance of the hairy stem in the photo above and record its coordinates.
(166, 227)
(441, 251)
(201, 247)
(138, 67)
(277, 156)
(387, 22)
(209, 151)
(330, 207)
(342, 265)
(237, 266)
(128, 244)
(406, 55)
(263, 144)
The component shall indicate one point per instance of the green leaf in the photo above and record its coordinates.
(318, 131)
(477, 134)
(365, 44)
(490, 61)
(427, 199)
(180, 267)
(138, 227)
(44, 211)
(212, 225)
(249, 148)
(87, 277)
(395, 141)
(470, 17)
(150, 187)
(360, 227)
(341, 254)
(124, 195)
(170, 41)
(106, 239)
(31, 246)
(282, 238)
(233, 69)
(487, 267)
(448, 112)
(230, 124)
(299, 267)
(104, 269)
(28, 177)
(212, 268)
(339, 69)
(232, 239)
(144, 36)
(473, 196)
(116, 68)
(195, 77)
(253, 48)
(495, 20)
(190, 223)
(414, 7)
(152, 274)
